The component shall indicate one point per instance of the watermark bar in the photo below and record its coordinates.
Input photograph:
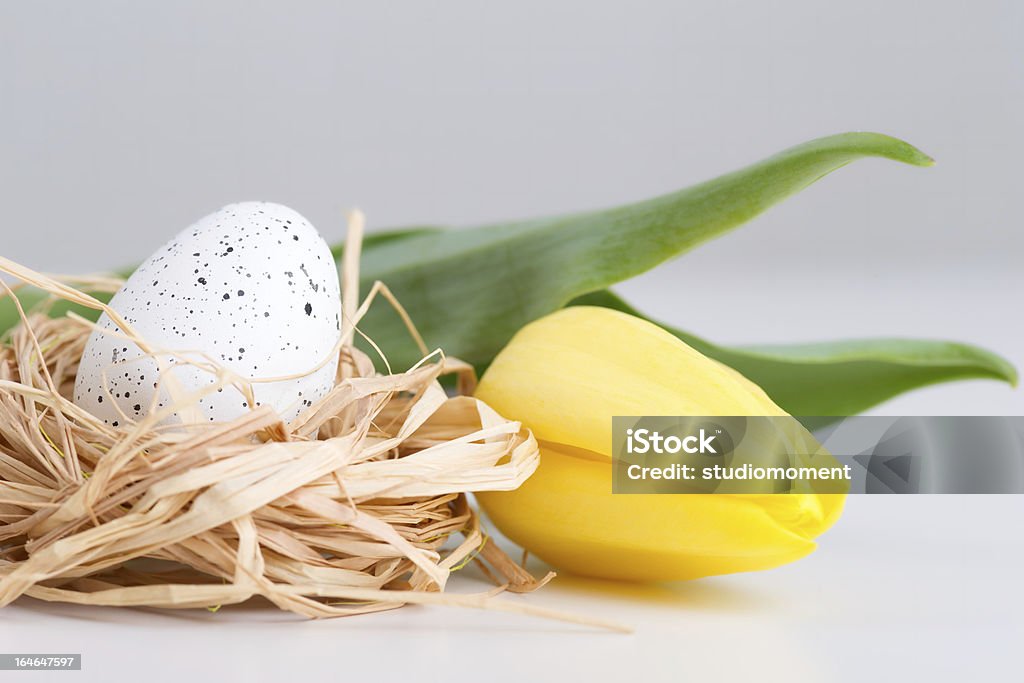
(40, 662)
(783, 454)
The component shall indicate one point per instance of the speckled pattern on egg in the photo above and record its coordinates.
(253, 287)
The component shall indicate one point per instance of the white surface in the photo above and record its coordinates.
(121, 123)
(925, 587)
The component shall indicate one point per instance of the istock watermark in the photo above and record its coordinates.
(643, 441)
(783, 454)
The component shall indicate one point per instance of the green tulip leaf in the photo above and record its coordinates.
(470, 290)
(840, 377)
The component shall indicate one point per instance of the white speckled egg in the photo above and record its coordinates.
(252, 287)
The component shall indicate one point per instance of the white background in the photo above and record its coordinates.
(120, 123)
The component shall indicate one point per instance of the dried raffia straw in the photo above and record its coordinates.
(346, 510)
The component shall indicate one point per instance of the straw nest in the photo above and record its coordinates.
(356, 506)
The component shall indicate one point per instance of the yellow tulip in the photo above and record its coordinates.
(564, 376)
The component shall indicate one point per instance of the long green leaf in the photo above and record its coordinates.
(470, 290)
(843, 377)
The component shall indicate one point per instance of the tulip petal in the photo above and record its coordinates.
(566, 515)
(565, 376)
